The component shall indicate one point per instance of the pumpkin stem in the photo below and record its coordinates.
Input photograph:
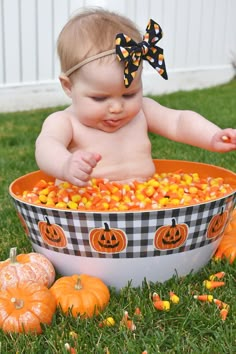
(173, 223)
(106, 227)
(78, 285)
(19, 303)
(13, 253)
(47, 220)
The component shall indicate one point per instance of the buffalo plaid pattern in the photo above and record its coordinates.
(139, 227)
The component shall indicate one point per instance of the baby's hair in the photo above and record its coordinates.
(90, 32)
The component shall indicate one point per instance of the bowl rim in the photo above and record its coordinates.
(164, 162)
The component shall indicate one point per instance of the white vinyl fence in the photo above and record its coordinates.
(199, 44)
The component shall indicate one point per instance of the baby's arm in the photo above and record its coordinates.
(52, 154)
(188, 127)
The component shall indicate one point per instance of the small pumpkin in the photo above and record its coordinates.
(52, 234)
(227, 246)
(107, 240)
(170, 236)
(217, 224)
(25, 306)
(82, 295)
(29, 266)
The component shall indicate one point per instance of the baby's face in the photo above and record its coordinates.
(100, 99)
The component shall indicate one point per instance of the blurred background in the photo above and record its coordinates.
(199, 44)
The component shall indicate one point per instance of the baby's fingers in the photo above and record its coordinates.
(91, 159)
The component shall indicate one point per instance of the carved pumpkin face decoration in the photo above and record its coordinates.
(52, 234)
(170, 236)
(107, 240)
(217, 224)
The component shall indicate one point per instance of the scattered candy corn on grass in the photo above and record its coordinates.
(190, 325)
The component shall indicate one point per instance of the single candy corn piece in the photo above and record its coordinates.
(225, 138)
(108, 322)
(70, 349)
(162, 305)
(137, 311)
(205, 297)
(224, 314)
(218, 275)
(127, 322)
(174, 298)
(155, 297)
(73, 335)
(209, 284)
(221, 304)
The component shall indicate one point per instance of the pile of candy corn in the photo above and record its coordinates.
(160, 191)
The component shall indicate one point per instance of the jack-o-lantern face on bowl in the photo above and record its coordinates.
(52, 234)
(217, 224)
(170, 236)
(107, 240)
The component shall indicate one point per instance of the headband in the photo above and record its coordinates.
(132, 53)
(88, 60)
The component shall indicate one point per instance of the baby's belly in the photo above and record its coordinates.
(125, 172)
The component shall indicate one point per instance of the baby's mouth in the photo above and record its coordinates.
(112, 122)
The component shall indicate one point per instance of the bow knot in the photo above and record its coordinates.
(131, 53)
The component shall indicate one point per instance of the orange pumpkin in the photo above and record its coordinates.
(52, 234)
(170, 236)
(30, 266)
(227, 246)
(217, 224)
(25, 306)
(107, 240)
(82, 295)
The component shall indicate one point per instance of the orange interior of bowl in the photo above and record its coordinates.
(27, 182)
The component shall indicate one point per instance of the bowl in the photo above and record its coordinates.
(128, 247)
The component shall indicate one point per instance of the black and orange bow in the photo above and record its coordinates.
(131, 53)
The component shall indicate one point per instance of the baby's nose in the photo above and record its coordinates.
(116, 107)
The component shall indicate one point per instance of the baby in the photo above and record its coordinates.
(104, 132)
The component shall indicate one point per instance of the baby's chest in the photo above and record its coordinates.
(124, 139)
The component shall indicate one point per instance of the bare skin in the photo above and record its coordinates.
(104, 132)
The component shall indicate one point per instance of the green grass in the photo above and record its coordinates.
(190, 326)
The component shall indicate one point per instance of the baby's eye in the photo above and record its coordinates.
(129, 95)
(98, 98)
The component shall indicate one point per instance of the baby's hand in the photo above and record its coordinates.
(224, 140)
(79, 166)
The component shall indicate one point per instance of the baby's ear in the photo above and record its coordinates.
(66, 84)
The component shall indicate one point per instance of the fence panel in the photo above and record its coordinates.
(199, 40)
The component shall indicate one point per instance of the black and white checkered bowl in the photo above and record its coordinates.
(119, 247)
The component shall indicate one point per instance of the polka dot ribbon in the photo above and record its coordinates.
(131, 53)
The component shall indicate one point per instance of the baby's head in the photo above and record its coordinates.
(91, 32)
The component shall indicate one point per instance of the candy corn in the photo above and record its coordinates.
(137, 311)
(221, 304)
(218, 275)
(109, 322)
(206, 298)
(209, 284)
(70, 349)
(127, 322)
(224, 314)
(162, 305)
(225, 138)
(161, 190)
(174, 298)
(155, 297)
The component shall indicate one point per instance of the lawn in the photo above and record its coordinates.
(189, 326)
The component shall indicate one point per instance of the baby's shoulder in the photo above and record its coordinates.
(59, 116)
